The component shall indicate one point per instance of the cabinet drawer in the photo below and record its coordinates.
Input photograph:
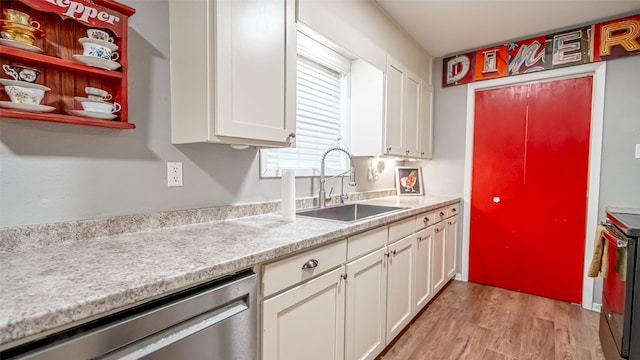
(440, 214)
(401, 229)
(287, 272)
(366, 242)
(453, 210)
(425, 219)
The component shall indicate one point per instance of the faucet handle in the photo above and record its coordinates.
(328, 198)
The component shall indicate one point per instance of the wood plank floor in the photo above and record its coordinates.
(474, 321)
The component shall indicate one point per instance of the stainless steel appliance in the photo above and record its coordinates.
(620, 315)
(216, 320)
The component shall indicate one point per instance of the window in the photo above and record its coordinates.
(321, 114)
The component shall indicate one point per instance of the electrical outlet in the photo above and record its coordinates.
(174, 174)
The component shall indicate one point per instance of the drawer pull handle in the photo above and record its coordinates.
(453, 210)
(426, 219)
(441, 213)
(310, 264)
(393, 253)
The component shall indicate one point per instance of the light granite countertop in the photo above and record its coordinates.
(47, 289)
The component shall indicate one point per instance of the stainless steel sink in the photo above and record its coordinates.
(349, 212)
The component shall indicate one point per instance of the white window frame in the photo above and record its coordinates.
(314, 51)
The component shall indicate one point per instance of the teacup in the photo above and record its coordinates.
(99, 35)
(20, 17)
(21, 73)
(97, 94)
(20, 36)
(101, 107)
(96, 50)
(24, 95)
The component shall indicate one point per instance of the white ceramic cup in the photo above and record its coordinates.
(99, 35)
(96, 50)
(97, 94)
(101, 107)
(24, 95)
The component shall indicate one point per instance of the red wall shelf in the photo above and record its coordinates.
(59, 71)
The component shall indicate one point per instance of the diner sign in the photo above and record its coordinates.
(84, 11)
(599, 42)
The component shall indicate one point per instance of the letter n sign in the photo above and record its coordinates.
(617, 38)
(457, 70)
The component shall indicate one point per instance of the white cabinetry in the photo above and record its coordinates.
(306, 322)
(426, 123)
(400, 279)
(233, 71)
(422, 289)
(366, 306)
(437, 264)
(403, 120)
(451, 241)
(394, 119)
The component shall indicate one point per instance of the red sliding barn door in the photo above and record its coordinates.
(529, 187)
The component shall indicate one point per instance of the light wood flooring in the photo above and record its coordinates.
(474, 321)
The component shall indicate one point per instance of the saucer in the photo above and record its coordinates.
(97, 62)
(93, 114)
(21, 46)
(110, 45)
(26, 107)
(26, 84)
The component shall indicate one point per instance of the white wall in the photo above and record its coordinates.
(59, 172)
(620, 176)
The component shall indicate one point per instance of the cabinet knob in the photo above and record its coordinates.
(292, 135)
(343, 276)
(437, 230)
(421, 153)
(454, 210)
(426, 219)
(393, 253)
(407, 152)
(450, 223)
(419, 238)
(310, 264)
(441, 213)
(389, 149)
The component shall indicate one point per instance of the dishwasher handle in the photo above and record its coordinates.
(173, 334)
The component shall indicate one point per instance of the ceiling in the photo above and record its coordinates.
(446, 27)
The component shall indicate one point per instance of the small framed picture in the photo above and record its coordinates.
(408, 180)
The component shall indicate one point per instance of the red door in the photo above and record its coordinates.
(529, 187)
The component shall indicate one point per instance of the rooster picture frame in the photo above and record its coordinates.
(409, 181)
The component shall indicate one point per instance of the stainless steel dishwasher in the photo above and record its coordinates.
(216, 320)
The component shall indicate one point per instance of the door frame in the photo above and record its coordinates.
(598, 70)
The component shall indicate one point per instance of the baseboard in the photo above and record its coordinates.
(596, 307)
(458, 277)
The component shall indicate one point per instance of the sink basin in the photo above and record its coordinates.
(348, 213)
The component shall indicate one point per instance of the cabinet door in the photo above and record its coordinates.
(422, 289)
(255, 69)
(450, 245)
(437, 259)
(366, 306)
(306, 322)
(412, 116)
(400, 279)
(394, 108)
(426, 123)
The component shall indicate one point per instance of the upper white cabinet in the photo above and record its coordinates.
(394, 119)
(426, 123)
(233, 71)
(404, 113)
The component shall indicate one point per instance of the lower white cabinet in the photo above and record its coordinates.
(307, 321)
(400, 275)
(351, 298)
(366, 306)
(437, 259)
(451, 242)
(422, 290)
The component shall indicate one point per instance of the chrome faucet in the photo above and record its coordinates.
(352, 176)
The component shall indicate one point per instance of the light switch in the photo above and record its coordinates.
(637, 151)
